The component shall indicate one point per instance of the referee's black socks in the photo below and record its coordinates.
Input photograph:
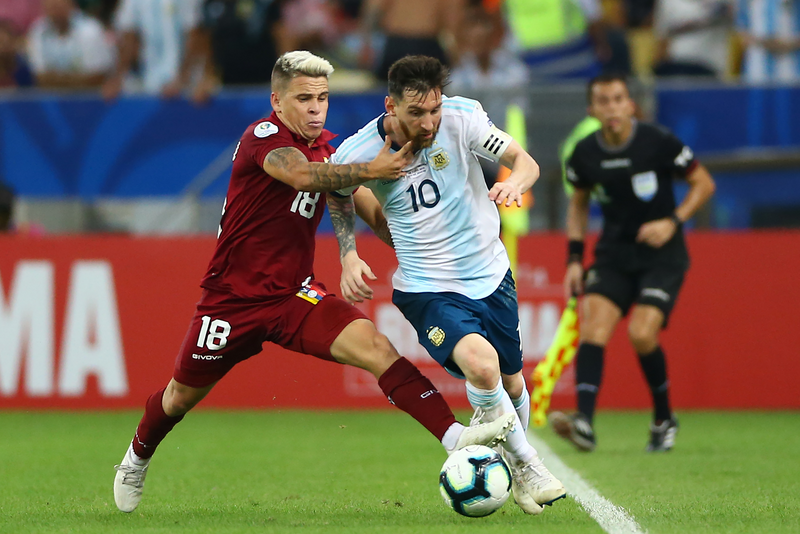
(588, 373)
(654, 367)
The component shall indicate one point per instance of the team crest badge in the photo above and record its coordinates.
(436, 335)
(645, 185)
(439, 159)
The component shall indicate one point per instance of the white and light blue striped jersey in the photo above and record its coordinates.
(162, 26)
(770, 19)
(444, 227)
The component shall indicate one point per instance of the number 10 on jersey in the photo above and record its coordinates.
(428, 196)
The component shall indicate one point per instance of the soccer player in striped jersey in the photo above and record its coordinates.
(260, 284)
(770, 30)
(454, 283)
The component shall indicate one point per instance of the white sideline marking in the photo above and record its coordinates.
(611, 518)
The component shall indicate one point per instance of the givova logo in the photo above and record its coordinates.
(207, 356)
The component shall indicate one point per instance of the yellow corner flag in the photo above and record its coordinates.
(559, 355)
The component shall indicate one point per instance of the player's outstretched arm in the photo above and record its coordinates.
(354, 269)
(291, 167)
(524, 173)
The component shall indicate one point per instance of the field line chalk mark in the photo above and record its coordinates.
(611, 518)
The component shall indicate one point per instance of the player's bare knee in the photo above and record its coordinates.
(376, 354)
(643, 338)
(595, 333)
(481, 370)
(179, 399)
(383, 349)
(178, 403)
(513, 384)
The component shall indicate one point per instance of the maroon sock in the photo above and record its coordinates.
(153, 427)
(410, 391)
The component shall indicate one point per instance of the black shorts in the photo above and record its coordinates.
(658, 286)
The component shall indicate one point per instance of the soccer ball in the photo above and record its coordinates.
(475, 481)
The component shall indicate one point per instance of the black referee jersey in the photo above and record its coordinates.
(633, 183)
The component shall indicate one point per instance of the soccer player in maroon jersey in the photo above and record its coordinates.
(259, 285)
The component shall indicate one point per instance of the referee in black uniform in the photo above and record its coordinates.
(641, 257)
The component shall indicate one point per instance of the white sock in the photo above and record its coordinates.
(522, 405)
(450, 438)
(496, 402)
(135, 459)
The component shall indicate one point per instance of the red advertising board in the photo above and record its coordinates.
(95, 322)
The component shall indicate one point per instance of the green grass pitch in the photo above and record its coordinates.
(376, 472)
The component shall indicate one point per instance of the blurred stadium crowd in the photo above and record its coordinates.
(195, 47)
(721, 73)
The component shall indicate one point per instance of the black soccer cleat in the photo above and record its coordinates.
(574, 428)
(662, 437)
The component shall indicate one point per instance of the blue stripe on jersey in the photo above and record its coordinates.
(772, 22)
(357, 141)
(743, 15)
(460, 100)
(369, 147)
(772, 18)
(463, 110)
(459, 103)
(796, 28)
(459, 107)
(345, 151)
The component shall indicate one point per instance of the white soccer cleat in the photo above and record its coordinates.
(129, 482)
(521, 497)
(489, 434)
(533, 485)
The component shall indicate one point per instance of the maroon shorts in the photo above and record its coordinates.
(225, 331)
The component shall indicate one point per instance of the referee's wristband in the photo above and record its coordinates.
(575, 251)
(677, 220)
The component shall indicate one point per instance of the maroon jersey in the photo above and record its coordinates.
(265, 246)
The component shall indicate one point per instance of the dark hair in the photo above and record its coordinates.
(607, 77)
(416, 75)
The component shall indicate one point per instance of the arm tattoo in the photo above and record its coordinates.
(330, 177)
(343, 217)
(287, 159)
(324, 177)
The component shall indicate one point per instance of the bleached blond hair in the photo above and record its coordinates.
(298, 63)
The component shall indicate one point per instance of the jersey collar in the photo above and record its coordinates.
(617, 149)
(323, 138)
(382, 132)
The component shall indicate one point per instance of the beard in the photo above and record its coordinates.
(418, 142)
